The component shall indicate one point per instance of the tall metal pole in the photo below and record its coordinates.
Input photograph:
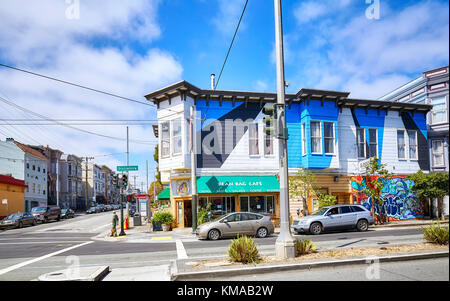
(285, 244)
(193, 170)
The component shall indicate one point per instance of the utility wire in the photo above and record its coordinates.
(228, 53)
(69, 126)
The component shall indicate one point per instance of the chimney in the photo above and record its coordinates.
(213, 81)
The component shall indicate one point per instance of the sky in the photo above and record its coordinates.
(131, 48)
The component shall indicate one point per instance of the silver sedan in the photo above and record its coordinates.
(234, 224)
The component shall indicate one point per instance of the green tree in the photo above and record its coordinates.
(326, 200)
(431, 186)
(304, 185)
(374, 175)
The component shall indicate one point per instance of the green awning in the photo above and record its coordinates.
(165, 194)
(237, 184)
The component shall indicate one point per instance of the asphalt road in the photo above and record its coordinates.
(30, 252)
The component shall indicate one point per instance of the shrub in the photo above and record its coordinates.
(435, 233)
(243, 249)
(164, 218)
(305, 246)
(202, 215)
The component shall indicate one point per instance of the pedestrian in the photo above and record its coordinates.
(302, 213)
(115, 220)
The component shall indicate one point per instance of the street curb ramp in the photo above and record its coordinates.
(302, 266)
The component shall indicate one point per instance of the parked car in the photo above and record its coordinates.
(236, 224)
(101, 207)
(67, 213)
(18, 220)
(46, 213)
(92, 210)
(108, 207)
(334, 218)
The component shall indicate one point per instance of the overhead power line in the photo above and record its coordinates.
(69, 126)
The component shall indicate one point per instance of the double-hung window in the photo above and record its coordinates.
(328, 132)
(316, 138)
(439, 113)
(437, 153)
(268, 144)
(412, 139)
(373, 145)
(401, 144)
(165, 139)
(303, 139)
(253, 139)
(361, 142)
(176, 136)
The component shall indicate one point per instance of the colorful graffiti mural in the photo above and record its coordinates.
(400, 201)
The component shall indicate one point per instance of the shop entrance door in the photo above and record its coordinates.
(187, 213)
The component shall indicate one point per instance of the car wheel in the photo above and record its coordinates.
(315, 228)
(34, 223)
(362, 225)
(214, 234)
(20, 225)
(262, 232)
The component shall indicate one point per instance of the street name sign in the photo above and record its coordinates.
(127, 168)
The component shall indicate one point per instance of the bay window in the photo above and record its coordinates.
(176, 136)
(328, 129)
(253, 139)
(165, 139)
(316, 138)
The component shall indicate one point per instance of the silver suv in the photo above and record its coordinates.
(334, 218)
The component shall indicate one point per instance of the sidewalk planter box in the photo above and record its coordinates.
(157, 226)
(165, 227)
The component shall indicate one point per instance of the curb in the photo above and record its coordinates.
(302, 266)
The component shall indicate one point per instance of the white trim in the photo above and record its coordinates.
(304, 139)
(334, 138)
(416, 145)
(404, 139)
(358, 143)
(441, 152)
(376, 142)
(320, 137)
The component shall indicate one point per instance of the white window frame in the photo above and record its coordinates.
(268, 138)
(405, 137)
(250, 139)
(333, 138)
(416, 145)
(304, 140)
(374, 143)
(319, 137)
(441, 153)
(358, 143)
(443, 110)
(173, 137)
(167, 140)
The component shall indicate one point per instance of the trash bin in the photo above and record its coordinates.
(137, 220)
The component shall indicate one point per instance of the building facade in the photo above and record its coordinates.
(431, 88)
(72, 182)
(12, 191)
(25, 163)
(237, 161)
(95, 184)
(112, 193)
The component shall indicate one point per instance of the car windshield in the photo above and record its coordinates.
(320, 211)
(63, 210)
(38, 209)
(15, 216)
(218, 218)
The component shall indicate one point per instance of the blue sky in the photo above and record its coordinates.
(134, 47)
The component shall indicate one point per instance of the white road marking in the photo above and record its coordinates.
(17, 266)
(39, 242)
(181, 251)
(93, 230)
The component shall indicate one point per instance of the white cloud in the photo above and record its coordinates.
(371, 57)
(50, 44)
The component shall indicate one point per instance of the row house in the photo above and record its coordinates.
(54, 180)
(95, 184)
(112, 193)
(72, 182)
(431, 88)
(237, 163)
(24, 163)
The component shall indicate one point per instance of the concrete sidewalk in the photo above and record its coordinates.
(145, 234)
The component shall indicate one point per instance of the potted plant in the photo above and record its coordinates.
(164, 218)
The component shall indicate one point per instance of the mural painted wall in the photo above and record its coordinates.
(400, 201)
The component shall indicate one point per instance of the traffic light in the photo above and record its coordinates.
(124, 181)
(115, 181)
(273, 125)
(270, 124)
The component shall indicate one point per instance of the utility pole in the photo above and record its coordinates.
(193, 170)
(86, 182)
(285, 244)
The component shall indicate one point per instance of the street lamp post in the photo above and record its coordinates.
(285, 243)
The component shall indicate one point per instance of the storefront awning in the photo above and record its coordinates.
(165, 194)
(237, 184)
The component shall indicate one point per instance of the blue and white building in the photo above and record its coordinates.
(329, 133)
